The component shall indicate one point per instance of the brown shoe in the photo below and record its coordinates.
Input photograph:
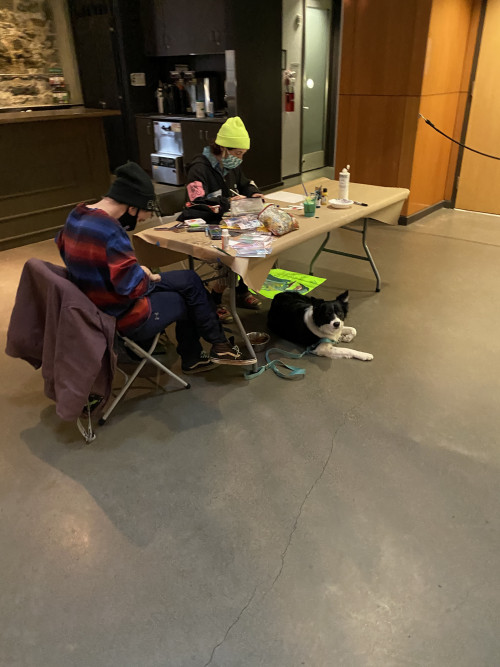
(224, 315)
(248, 300)
(223, 353)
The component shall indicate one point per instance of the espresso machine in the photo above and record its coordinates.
(166, 162)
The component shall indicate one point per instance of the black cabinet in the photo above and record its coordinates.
(196, 134)
(146, 141)
(171, 29)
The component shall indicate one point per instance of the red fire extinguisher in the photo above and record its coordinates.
(289, 81)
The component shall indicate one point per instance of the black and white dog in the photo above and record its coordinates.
(305, 320)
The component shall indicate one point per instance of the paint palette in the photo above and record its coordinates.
(340, 203)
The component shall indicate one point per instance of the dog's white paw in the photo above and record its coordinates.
(364, 356)
(348, 334)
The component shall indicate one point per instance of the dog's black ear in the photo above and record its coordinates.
(344, 297)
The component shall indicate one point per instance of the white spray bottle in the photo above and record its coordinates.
(344, 183)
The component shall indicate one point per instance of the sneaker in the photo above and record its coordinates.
(224, 315)
(223, 353)
(204, 363)
(248, 300)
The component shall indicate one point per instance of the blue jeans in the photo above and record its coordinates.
(181, 297)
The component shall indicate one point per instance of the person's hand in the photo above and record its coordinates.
(257, 194)
(153, 277)
(237, 197)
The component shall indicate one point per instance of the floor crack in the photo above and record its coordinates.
(311, 489)
(294, 528)
(231, 627)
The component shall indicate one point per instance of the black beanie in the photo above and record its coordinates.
(133, 186)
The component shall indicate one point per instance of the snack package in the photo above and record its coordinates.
(243, 222)
(244, 206)
(278, 222)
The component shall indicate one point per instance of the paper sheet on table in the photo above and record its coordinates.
(283, 195)
(280, 280)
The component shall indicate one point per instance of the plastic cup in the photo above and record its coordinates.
(309, 207)
(200, 109)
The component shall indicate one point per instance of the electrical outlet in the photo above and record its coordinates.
(137, 79)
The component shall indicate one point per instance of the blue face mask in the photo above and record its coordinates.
(231, 161)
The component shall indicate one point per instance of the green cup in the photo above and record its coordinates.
(309, 207)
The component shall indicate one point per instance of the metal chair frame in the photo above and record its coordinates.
(146, 357)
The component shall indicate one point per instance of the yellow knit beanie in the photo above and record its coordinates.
(233, 134)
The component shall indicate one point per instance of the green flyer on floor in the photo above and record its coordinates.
(280, 280)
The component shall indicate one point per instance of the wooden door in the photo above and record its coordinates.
(479, 176)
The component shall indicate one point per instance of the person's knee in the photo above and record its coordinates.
(194, 279)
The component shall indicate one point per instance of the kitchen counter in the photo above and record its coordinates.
(179, 118)
(51, 160)
(67, 113)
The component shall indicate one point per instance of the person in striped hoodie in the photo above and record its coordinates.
(97, 251)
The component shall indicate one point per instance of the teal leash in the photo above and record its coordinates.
(274, 364)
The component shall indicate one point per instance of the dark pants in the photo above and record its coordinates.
(182, 298)
(241, 287)
(241, 290)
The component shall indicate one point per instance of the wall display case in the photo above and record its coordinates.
(37, 61)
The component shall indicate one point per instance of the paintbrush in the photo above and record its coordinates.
(220, 250)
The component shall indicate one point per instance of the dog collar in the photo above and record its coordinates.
(322, 340)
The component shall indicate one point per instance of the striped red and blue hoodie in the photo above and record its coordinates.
(100, 260)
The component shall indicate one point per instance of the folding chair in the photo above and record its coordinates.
(54, 326)
(146, 356)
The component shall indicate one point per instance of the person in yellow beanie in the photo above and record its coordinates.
(216, 177)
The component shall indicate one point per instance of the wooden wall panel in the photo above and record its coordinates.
(479, 176)
(371, 137)
(470, 48)
(399, 58)
(384, 45)
(446, 47)
(432, 152)
(457, 131)
(450, 48)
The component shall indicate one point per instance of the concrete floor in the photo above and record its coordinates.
(350, 518)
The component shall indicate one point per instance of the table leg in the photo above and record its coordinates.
(367, 257)
(318, 252)
(233, 278)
